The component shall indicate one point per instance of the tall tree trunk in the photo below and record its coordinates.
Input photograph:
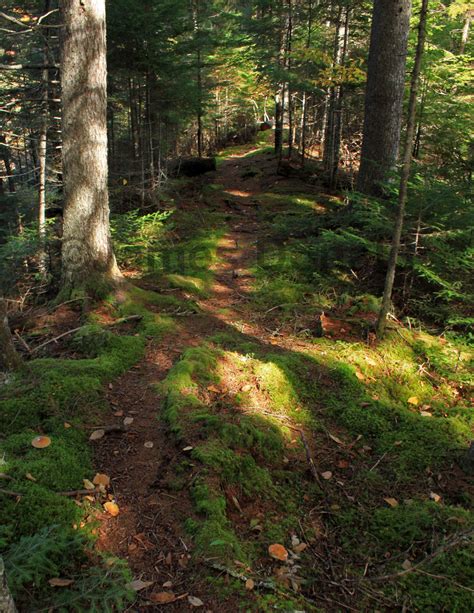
(88, 261)
(384, 94)
(405, 174)
(5, 154)
(42, 149)
(9, 359)
(465, 30)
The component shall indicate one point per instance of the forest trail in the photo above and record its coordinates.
(148, 532)
(250, 430)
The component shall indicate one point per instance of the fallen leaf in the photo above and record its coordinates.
(393, 502)
(101, 479)
(168, 584)
(97, 435)
(300, 548)
(188, 448)
(425, 414)
(343, 464)
(67, 425)
(162, 597)
(370, 361)
(30, 477)
(213, 388)
(413, 400)
(326, 475)
(249, 584)
(406, 565)
(247, 388)
(236, 504)
(40, 442)
(336, 440)
(118, 413)
(88, 485)
(435, 497)
(195, 602)
(359, 375)
(58, 582)
(138, 585)
(149, 445)
(278, 552)
(112, 508)
(128, 420)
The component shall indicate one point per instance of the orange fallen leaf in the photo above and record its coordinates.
(278, 552)
(393, 502)
(213, 388)
(435, 497)
(101, 479)
(40, 442)
(359, 375)
(249, 584)
(112, 508)
(162, 597)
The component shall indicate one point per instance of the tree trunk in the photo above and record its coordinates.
(405, 174)
(465, 30)
(43, 140)
(5, 153)
(88, 261)
(384, 94)
(9, 359)
(7, 604)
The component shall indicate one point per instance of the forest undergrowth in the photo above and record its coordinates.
(276, 456)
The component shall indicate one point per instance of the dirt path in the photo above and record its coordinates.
(148, 531)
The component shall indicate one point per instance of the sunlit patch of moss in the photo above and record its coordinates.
(234, 468)
(192, 284)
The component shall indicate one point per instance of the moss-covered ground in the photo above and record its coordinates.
(294, 427)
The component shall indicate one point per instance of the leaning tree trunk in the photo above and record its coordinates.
(405, 174)
(384, 94)
(9, 359)
(88, 261)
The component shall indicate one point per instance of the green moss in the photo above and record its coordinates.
(213, 534)
(240, 469)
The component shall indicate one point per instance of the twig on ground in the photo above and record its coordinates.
(122, 320)
(22, 341)
(456, 540)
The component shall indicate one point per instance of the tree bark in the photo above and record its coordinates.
(88, 261)
(405, 174)
(5, 154)
(9, 359)
(384, 94)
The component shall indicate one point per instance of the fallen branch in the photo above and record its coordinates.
(122, 320)
(456, 540)
(70, 493)
(309, 458)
